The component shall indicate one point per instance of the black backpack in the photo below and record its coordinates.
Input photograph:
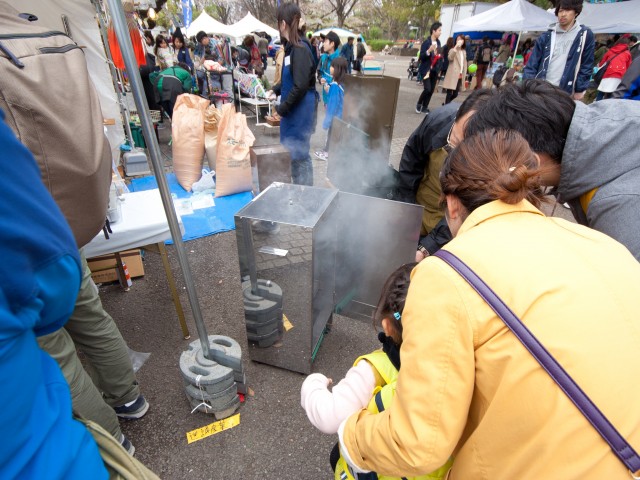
(503, 75)
(486, 54)
(499, 74)
(599, 75)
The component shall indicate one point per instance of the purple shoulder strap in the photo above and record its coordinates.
(618, 444)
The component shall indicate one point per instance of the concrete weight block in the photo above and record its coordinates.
(222, 411)
(256, 328)
(198, 370)
(226, 351)
(218, 402)
(264, 341)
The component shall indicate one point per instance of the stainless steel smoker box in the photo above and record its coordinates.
(307, 252)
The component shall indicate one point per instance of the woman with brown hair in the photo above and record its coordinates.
(456, 70)
(299, 99)
(468, 387)
(250, 46)
(445, 56)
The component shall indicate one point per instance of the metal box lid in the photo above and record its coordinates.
(291, 204)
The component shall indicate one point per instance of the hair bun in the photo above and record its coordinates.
(513, 185)
(492, 165)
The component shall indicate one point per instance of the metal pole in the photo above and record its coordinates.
(247, 238)
(515, 51)
(122, 33)
(114, 74)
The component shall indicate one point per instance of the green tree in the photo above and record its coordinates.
(374, 33)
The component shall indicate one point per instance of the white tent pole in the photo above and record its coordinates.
(515, 50)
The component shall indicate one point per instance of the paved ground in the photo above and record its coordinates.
(274, 439)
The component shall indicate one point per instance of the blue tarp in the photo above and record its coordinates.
(204, 221)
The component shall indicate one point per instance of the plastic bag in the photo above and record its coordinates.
(187, 129)
(138, 359)
(232, 160)
(206, 182)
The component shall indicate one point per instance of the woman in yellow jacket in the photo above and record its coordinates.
(370, 383)
(468, 387)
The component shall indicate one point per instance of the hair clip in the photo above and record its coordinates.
(396, 315)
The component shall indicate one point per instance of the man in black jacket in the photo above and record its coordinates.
(420, 164)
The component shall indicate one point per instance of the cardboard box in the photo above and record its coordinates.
(103, 268)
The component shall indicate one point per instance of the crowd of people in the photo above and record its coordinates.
(470, 401)
(201, 65)
(175, 66)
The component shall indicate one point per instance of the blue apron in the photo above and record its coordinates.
(297, 127)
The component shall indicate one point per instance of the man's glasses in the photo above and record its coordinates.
(448, 147)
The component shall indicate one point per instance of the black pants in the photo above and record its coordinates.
(451, 94)
(429, 86)
(326, 144)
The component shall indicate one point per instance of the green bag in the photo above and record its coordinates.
(119, 464)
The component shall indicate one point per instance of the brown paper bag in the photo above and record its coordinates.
(233, 164)
(187, 144)
(211, 120)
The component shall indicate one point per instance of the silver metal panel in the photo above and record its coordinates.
(297, 220)
(325, 251)
(376, 236)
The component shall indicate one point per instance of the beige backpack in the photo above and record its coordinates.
(52, 106)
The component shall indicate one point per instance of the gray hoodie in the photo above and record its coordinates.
(602, 151)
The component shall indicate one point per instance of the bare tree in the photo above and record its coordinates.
(263, 10)
(224, 10)
(342, 8)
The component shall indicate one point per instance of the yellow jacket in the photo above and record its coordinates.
(469, 388)
(386, 376)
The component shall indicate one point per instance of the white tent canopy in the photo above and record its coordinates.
(250, 24)
(341, 32)
(514, 16)
(619, 17)
(207, 24)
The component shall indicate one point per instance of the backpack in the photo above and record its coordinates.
(486, 54)
(503, 75)
(53, 108)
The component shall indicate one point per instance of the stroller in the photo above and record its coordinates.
(412, 71)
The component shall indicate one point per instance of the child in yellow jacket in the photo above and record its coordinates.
(371, 382)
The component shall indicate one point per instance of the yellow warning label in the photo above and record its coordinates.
(213, 428)
(287, 324)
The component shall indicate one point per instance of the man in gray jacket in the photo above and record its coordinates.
(591, 151)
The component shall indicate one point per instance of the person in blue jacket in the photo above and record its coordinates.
(39, 280)
(182, 52)
(331, 45)
(563, 55)
(336, 99)
(299, 99)
(347, 53)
